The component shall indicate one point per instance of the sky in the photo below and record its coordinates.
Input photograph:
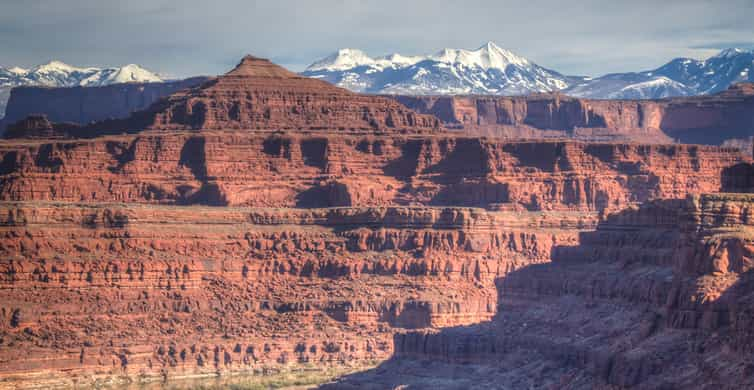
(188, 37)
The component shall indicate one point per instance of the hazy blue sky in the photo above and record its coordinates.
(190, 37)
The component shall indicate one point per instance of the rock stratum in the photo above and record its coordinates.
(723, 118)
(285, 170)
(262, 221)
(657, 296)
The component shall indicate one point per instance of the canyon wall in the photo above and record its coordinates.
(83, 105)
(657, 296)
(711, 120)
(288, 170)
(128, 291)
(651, 296)
(343, 250)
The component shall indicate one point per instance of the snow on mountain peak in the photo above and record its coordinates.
(487, 56)
(447, 71)
(396, 59)
(132, 73)
(58, 67)
(59, 74)
(18, 71)
(499, 58)
(729, 53)
(341, 60)
(491, 46)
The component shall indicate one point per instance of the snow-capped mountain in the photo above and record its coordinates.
(59, 74)
(493, 70)
(486, 70)
(679, 77)
(629, 86)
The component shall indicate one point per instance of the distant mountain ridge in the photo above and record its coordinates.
(679, 77)
(486, 70)
(490, 69)
(59, 74)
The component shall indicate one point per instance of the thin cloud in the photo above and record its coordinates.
(191, 37)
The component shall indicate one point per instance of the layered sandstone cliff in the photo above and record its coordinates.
(264, 221)
(658, 296)
(296, 170)
(155, 291)
(260, 95)
(641, 297)
(710, 120)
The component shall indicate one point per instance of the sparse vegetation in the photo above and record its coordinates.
(298, 378)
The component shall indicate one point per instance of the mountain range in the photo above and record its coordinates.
(59, 74)
(491, 69)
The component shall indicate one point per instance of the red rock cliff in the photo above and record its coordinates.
(242, 168)
(260, 95)
(704, 119)
(350, 237)
(657, 294)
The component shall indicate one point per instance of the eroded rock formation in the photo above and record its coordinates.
(151, 289)
(288, 170)
(260, 95)
(657, 296)
(264, 220)
(35, 126)
(712, 120)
